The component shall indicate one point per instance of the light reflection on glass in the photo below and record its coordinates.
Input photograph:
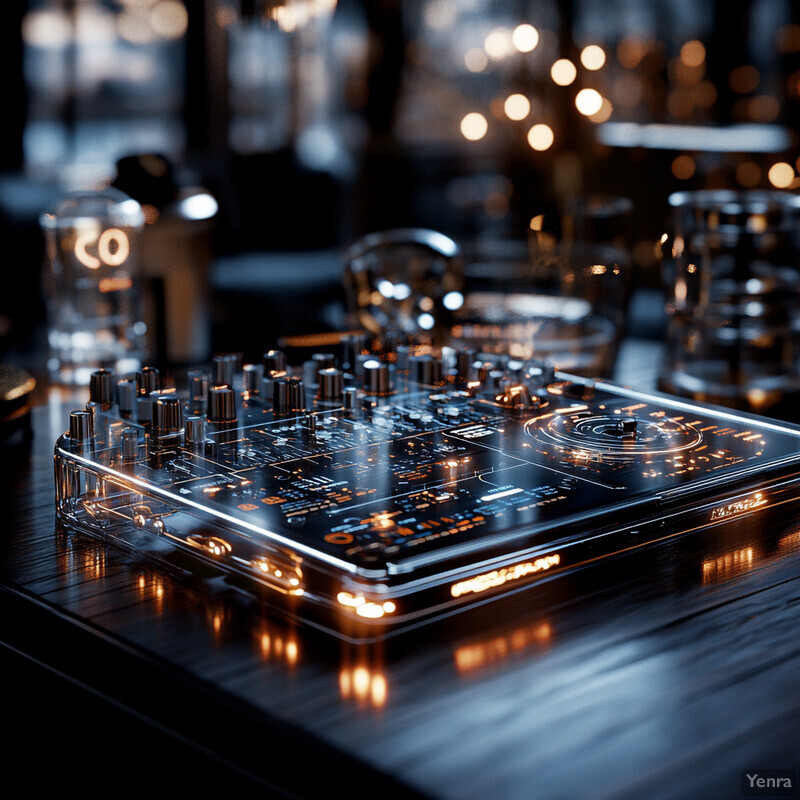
(727, 566)
(789, 543)
(362, 677)
(277, 645)
(493, 650)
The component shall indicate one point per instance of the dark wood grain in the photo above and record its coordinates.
(663, 674)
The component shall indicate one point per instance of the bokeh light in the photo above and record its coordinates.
(563, 72)
(474, 126)
(517, 106)
(593, 57)
(588, 101)
(693, 53)
(498, 44)
(683, 167)
(541, 137)
(525, 38)
(781, 175)
(476, 60)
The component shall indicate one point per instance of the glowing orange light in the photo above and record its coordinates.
(781, 175)
(541, 137)
(378, 690)
(499, 577)
(525, 38)
(517, 106)
(588, 101)
(118, 284)
(361, 681)
(693, 53)
(683, 167)
(113, 247)
(593, 57)
(563, 72)
(81, 243)
(739, 506)
(474, 126)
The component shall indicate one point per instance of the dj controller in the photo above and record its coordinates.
(377, 486)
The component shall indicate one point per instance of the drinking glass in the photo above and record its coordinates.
(733, 300)
(91, 285)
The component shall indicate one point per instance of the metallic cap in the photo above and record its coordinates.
(81, 425)
(221, 404)
(252, 375)
(127, 391)
(101, 388)
(376, 377)
(167, 415)
(274, 361)
(149, 380)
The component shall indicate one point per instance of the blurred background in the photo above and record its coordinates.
(262, 137)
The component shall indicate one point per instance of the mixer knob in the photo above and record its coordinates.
(127, 392)
(464, 361)
(317, 362)
(144, 407)
(376, 377)
(329, 385)
(274, 361)
(195, 431)
(349, 398)
(297, 397)
(167, 415)
(288, 395)
(81, 426)
(129, 444)
(198, 391)
(252, 376)
(149, 381)
(221, 404)
(224, 369)
(101, 388)
(425, 369)
(324, 360)
(280, 395)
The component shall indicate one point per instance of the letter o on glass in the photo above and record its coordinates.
(116, 239)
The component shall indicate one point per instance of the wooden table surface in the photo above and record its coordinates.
(662, 674)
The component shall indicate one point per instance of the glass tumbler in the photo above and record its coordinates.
(733, 301)
(91, 285)
(404, 281)
(545, 299)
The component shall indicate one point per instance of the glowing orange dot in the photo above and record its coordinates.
(693, 53)
(593, 57)
(517, 106)
(474, 126)
(563, 72)
(781, 175)
(541, 137)
(588, 101)
(683, 167)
